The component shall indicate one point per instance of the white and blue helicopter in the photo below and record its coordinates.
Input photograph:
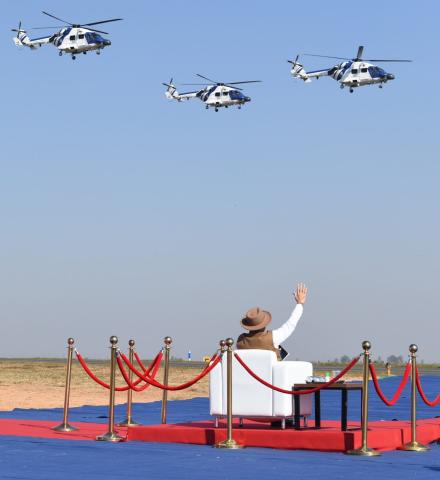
(215, 95)
(352, 73)
(73, 39)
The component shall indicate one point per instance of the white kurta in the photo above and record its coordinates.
(281, 334)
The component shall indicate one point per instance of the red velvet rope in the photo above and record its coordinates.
(215, 359)
(435, 402)
(298, 392)
(139, 361)
(399, 390)
(127, 377)
(94, 377)
(106, 385)
(155, 364)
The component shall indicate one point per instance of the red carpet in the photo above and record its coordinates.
(381, 435)
(42, 429)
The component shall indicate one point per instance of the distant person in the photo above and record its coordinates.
(256, 321)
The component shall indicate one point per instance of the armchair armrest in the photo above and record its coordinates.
(285, 375)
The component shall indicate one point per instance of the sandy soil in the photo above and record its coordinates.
(40, 384)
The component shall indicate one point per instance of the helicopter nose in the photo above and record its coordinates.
(107, 43)
(390, 76)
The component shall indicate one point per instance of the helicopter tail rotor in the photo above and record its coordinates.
(171, 92)
(298, 71)
(21, 39)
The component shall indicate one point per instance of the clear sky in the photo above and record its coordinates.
(124, 213)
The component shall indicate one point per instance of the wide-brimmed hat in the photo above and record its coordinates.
(255, 319)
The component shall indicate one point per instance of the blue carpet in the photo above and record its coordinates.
(43, 459)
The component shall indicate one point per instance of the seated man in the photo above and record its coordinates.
(257, 319)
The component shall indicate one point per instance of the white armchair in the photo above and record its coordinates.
(251, 399)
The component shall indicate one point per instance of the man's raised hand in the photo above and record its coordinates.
(300, 293)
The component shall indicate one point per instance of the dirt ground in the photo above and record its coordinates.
(40, 384)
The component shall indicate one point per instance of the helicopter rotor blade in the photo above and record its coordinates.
(380, 60)
(102, 21)
(230, 85)
(325, 56)
(294, 62)
(94, 30)
(19, 29)
(199, 84)
(360, 52)
(56, 18)
(206, 78)
(48, 28)
(246, 81)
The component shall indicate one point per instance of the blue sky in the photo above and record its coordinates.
(124, 213)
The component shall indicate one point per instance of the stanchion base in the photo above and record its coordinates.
(64, 427)
(110, 437)
(128, 423)
(231, 444)
(414, 447)
(364, 452)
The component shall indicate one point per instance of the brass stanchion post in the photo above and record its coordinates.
(128, 422)
(364, 450)
(167, 347)
(413, 445)
(112, 435)
(229, 442)
(64, 426)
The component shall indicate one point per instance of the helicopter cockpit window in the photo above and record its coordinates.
(236, 95)
(376, 72)
(225, 94)
(81, 36)
(94, 38)
(364, 70)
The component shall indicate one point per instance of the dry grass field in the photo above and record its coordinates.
(40, 384)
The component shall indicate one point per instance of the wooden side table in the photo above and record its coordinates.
(343, 387)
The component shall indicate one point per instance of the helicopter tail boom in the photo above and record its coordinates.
(22, 40)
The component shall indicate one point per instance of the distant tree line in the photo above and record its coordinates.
(393, 359)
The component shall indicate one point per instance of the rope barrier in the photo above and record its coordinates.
(435, 402)
(215, 359)
(95, 378)
(297, 392)
(154, 366)
(131, 384)
(399, 390)
(139, 362)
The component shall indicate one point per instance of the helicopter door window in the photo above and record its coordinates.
(81, 36)
(225, 94)
(217, 94)
(354, 71)
(364, 70)
(72, 37)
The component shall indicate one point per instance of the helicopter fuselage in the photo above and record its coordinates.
(78, 40)
(357, 74)
(216, 96)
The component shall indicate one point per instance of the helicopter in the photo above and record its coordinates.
(214, 95)
(352, 73)
(73, 39)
